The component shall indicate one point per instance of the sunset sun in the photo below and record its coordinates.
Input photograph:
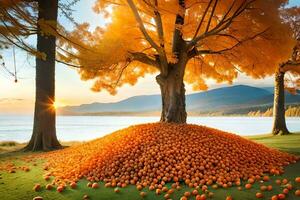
(57, 105)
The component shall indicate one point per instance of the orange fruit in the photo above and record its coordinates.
(37, 187)
(73, 185)
(248, 186)
(274, 197)
(228, 198)
(285, 191)
(281, 196)
(60, 188)
(270, 188)
(259, 195)
(194, 192)
(49, 187)
(278, 182)
(143, 194)
(284, 181)
(95, 185)
(263, 188)
(117, 190)
(187, 194)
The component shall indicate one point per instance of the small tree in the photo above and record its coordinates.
(183, 41)
(291, 16)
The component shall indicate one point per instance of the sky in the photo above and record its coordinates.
(18, 98)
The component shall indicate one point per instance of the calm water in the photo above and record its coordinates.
(72, 128)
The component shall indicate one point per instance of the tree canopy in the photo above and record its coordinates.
(291, 16)
(221, 38)
(19, 21)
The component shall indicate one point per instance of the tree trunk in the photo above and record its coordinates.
(279, 124)
(173, 94)
(44, 131)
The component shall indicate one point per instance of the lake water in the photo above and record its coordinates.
(82, 128)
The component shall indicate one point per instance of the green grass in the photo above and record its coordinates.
(289, 143)
(18, 186)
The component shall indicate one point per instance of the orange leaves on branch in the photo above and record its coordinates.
(252, 42)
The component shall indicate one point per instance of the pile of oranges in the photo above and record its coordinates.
(150, 155)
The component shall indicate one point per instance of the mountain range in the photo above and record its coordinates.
(238, 99)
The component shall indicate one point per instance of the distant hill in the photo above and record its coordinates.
(237, 99)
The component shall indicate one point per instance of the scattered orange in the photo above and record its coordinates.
(259, 195)
(59, 188)
(266, 178)
(228, 198)
(270, 188)
(117, 190)
(248, 186)
(143, 194)
(95, 185)
(285, 191)
(49, 187)
(289, 186)
(187, 194)
(281, 196)
(37, 187)
(284, 181)
(167, 196)
(274, 197)
(38, 198)
(195, 192)
(73, 185)
(263, 188)
(297, 192)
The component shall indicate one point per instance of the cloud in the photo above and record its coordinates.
(10, 100)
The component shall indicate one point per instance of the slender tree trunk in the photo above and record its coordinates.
(44, 130)
(279, 124)
(173, 94)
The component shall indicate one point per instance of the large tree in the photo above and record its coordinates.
(290, 16)
(19, 20)
(183, 41)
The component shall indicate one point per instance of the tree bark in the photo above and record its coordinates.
(173, 93)
(44, 130)
(279, 124)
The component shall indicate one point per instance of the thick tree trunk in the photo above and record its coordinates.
(173, 94)
(279, 124)
(44, 130)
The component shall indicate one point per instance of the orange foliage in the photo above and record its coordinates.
(151, 155)
(253, 42)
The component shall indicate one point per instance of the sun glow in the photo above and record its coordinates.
(56, 105)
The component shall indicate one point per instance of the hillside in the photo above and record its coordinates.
(239, 99)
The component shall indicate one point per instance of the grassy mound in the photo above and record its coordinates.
(151, 155)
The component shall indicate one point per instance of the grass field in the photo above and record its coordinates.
(18, 186)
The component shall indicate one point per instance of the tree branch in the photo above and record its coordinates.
(223, 24)
(195, 52)
(143, 58)
(141, 24)
(290, 66)
(202, 19)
